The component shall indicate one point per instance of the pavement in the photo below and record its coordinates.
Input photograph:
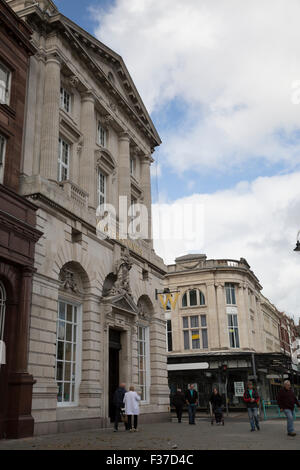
(234, 435)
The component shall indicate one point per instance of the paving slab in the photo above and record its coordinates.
(234, 435)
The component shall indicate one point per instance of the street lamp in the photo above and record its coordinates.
(297, 243)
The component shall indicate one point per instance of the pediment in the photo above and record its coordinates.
(123, 302)
(113, 73)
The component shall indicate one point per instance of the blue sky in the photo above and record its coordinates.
(222, 85)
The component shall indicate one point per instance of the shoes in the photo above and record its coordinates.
(130, 430)
(252, 430)
(135, 430)
(258, 428)
(115, 430)
(292, 434)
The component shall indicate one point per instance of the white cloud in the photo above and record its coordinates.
(257, 221)
(233, 65)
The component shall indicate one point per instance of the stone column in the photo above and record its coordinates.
(213, 318)
(50, 122)
(146, 186)
(245, 331)
(124, 181)
(87, 178)
(222, 316)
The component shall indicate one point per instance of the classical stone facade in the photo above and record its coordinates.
(94, 320)
(222, 322)
(18, 234)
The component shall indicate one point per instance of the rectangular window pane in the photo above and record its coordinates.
(193, 297)
(194, 322)
(203, 320)
(204, 339)
(142, 361)
(185, 322)
(186, 339)
(4, 84)
(195, 339)
(169, 335)
(65, 100)
(101, 135)
(63, 160)
(2, 157)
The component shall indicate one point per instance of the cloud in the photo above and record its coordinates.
(234, 66)
(257, 221)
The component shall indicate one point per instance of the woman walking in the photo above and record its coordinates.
(216, 404)
(131, 401)
(179, 401)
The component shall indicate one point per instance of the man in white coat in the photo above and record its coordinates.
(131, 400)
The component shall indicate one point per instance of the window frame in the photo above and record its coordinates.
(63, 92)
(2, 157)
(145, 340)
(100, 194)
(235, 333)
(8, 84)
(61, 164)
(77, 381)
(101, 135)
(169, 336)
(230, 293)
(200, 298)
(193, 329)
(3, 298)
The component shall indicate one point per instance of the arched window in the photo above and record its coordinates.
(193, 298)
(2, 310)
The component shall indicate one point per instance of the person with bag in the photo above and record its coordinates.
(251, 398)
(216, 404)
(131, 400)
(178, 401)
(118, 401)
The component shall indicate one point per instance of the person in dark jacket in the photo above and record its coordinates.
(191, 398)
(251, 398)
(216, 404)
(178, 401)
(287, 400)
(118, 402)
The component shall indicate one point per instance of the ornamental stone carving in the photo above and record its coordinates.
(122, 269)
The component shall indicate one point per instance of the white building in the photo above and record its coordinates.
(88, 140)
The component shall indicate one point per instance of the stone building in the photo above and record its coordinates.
(88, 141)
(18, 234)
(222, 331)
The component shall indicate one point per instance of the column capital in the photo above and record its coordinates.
(54, 57)
(124, 136)
(88, 96)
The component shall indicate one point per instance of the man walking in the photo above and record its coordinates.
(286, 401)
(179, 401)
(191, 398)
(251, 398)
(118, 402)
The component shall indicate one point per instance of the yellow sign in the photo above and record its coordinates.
(169, 300)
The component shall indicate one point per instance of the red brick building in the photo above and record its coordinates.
(17, 231)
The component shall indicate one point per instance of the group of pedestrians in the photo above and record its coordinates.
(126, 405)
(286, 401)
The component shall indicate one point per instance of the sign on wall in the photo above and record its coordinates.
(239, 389)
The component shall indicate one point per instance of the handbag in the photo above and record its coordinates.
(124, 417)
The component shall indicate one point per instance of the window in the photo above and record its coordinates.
(101, 188)
(133, 207)
(169, 335)
(233, 331)
(2, 157)
(63, 160)
(2, 310)
(192, 298)
(230, 294)
(102, 135)
(194, 331)
(5, 78)
(65, 100)
(143, 361)
(67, 353)
(132, 166)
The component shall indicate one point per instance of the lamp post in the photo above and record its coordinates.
(297, 243)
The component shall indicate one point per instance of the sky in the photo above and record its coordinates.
(222, 85)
